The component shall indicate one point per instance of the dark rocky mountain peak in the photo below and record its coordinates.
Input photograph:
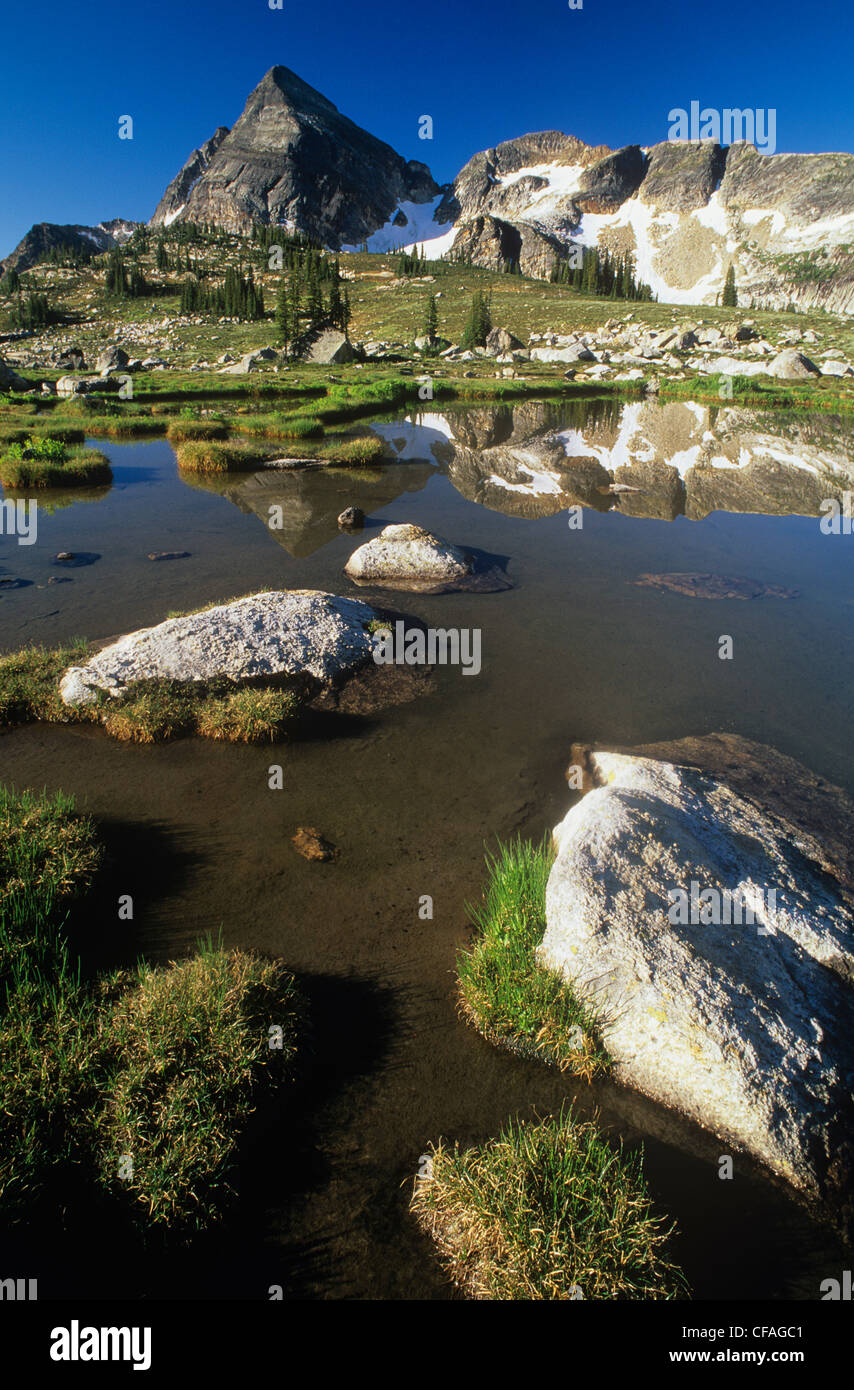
(293, 159)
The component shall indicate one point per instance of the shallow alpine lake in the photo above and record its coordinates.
(412, 795)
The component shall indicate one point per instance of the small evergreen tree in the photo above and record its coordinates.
(479, 322)
(431, 320)
(729, 298)
(282, 314)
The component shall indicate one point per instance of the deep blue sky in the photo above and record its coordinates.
(608, 73)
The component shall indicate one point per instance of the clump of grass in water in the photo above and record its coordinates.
(503, 990)
(188, 1049)
(281, 426)
(547, 1211)
(366, 450)
(179, 431)
(153, 711)
(48, 857)
(162, 1065)
(210, 456)
(41, 461)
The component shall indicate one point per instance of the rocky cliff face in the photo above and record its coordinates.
(293, 159)
(685, 211)
(175, 198)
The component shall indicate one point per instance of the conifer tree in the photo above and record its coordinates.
(282, 315)
(431, 320)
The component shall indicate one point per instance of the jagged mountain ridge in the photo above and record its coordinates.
(45, 237)
(685, 210)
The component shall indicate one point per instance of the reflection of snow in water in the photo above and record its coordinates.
(416, 438)
(542, 482)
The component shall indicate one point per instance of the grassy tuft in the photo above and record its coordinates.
(504, 992)
(180, 431)
(48, 857)
(210, 456)
(31, 465)
(29, 683)
(154, 711)
(142, 1083)
(280, 426)
(355, 452)
(188, 1050)
(547, 1211)
(254, 714)
(134, 1085)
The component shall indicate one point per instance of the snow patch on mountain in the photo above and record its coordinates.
(420, 228)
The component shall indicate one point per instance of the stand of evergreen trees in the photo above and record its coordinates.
(122, 281)
(600, 273)
(34, 312)
(311, 294)
(237, 298)
(412, 263)
(65, 255)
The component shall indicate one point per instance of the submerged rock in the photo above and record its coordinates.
(351, 519)
(716, 944)
(285, 633)
(312, 845)
(713, 586)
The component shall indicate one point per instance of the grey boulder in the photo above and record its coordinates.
(791, 365)
(285, 633)
(10, 381)
(111, 358)
(407, 557)
(743, 1028)
(329, 347)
